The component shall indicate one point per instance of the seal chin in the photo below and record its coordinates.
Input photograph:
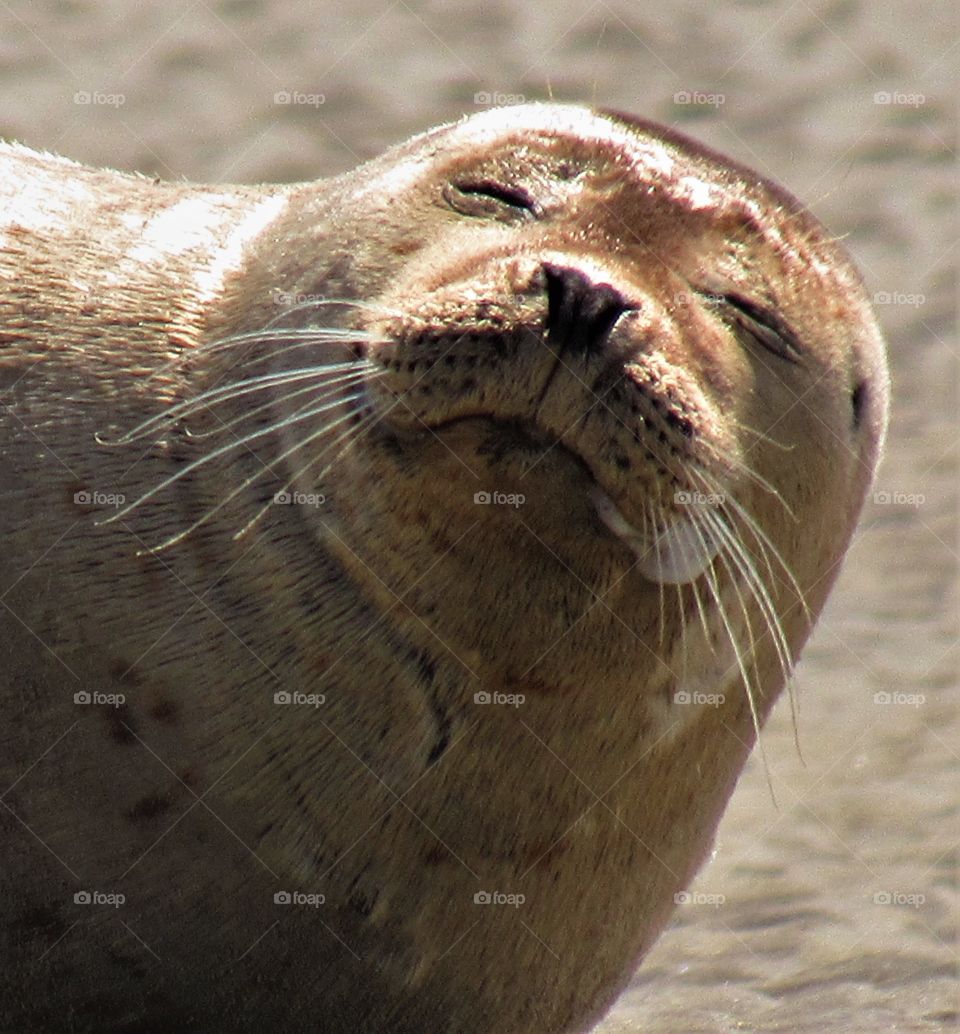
(679, 554)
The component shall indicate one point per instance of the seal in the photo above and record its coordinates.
(398, 569)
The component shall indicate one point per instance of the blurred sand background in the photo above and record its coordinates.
(835, 906)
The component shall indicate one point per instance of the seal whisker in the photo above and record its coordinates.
(649, 523)
(270, 331)
(220, 394)
(766, 547)
(704, 621)
(772, 621)
(775, 626)
(350, 435)
(682, 613)
(742, 561)
(741, 661)
(224, 449)
(712, 486)
(744, 468)
(340, 337)
(762, 436)
(309, 341)
(297, 337)
(247, 482)
(333, 387)
(356, 303)
(737, 552)
(726, 530)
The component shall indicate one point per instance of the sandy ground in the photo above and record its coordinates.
(834, 905)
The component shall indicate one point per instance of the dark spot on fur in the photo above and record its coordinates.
(75, 492)
(120, 724)
(405, 246)
(166, 712)
(124, 672)
(149, 807)
(437, 855)
(41, 920)
(362, 903)
(679, 423)
(532, 686)
(321, 662)
(428, 667)
(542, 855)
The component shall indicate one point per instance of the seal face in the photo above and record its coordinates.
(437, 538)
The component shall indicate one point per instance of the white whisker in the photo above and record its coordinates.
(351, 433)
(763, 437)
(331, 387)
(744, 564)
(301, 336)
(246, 483)
(209, 457)
(319, 303)
(741, 659)
(762, 482)
(704, 622)
(221, 394)
(766, 547)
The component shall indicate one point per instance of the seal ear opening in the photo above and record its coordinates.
(858, 400)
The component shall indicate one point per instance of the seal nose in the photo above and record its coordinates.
(580, 313)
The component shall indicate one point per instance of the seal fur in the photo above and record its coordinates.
(300, 636)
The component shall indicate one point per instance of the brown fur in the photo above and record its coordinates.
(397, 597)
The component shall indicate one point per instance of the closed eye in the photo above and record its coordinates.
(491, 199)
(515, 196)
(763, 325)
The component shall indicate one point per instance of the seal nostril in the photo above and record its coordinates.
(580, 313)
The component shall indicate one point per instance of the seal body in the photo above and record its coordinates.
(398, 569)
